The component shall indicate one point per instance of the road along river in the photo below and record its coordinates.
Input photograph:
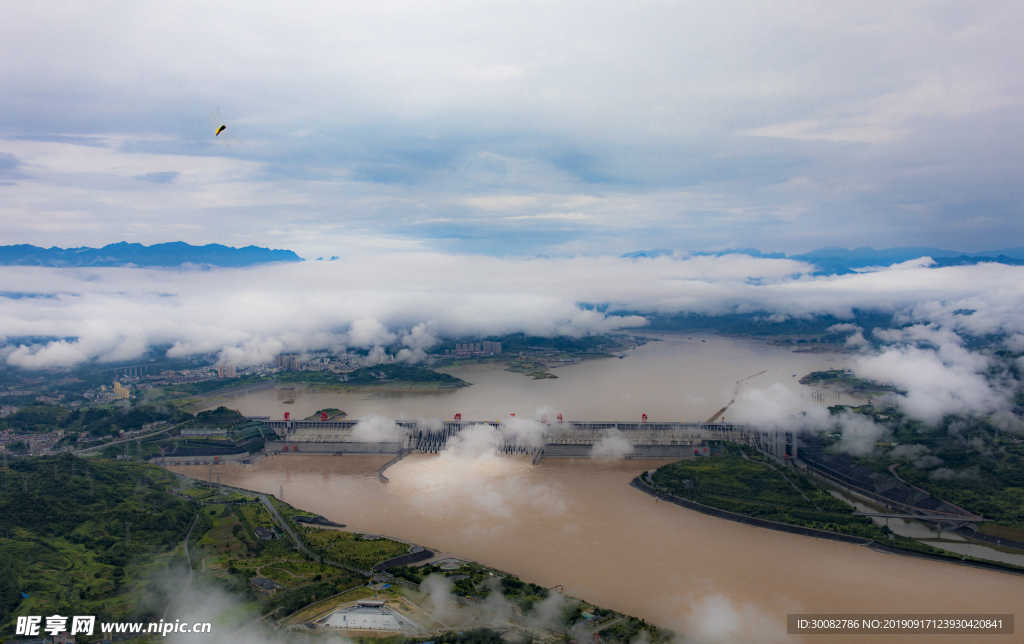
(578, 523)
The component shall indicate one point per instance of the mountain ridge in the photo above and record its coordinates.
(165, 255)
(837, 260)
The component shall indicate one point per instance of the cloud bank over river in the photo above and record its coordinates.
(249, 315)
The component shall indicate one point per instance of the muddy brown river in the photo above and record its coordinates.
(680, 378)
(578, 523)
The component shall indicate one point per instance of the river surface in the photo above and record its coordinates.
(578, 523)
(681, 378)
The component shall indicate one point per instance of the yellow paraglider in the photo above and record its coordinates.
(219, 128)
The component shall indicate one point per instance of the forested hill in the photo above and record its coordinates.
(171, 254)
(65, 541)
(401, 372)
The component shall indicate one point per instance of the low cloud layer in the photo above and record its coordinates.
(938, 374)
(613, 444)
(377, 429)
(777, 407)
(412, 300)
(251, 315)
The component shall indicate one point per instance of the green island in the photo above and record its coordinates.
(331, 412)
(392, 375)
(529, 366)
(846, 382)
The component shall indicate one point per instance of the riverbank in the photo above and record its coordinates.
(370, 556)
(390, 385)
(873, 544)
(578, 523)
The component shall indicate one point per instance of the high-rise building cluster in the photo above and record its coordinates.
(121, 392)
(475, 350)
(288, 361)
(225, 371)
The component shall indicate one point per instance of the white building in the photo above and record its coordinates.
(369, 615)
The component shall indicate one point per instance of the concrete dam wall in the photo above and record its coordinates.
(570, 439)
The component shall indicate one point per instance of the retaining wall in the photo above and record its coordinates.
(380, 473)
(676, 452)
(811, 532)
(742, 518)
(277, 447)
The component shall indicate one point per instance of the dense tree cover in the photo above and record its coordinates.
(400, 371)
(746, 487)
(98, 421)
(219, 417)
(37, 417)
(522, 593)
(207, 386)
(51, 497)
(63, 524)
(844, 379)
(630, 629)
(515, 342)
(761, 324)
(475, 636)
(473, 580)
(10, 591)
(965, 460)
(308, 377)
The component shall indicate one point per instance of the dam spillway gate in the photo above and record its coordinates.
(569, 439)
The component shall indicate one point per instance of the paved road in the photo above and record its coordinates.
(129, 440)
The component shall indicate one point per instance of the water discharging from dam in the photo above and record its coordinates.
(579, 523)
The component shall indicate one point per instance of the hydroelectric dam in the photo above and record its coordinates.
(542, 439)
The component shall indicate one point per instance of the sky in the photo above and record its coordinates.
(479, 167)
(513, 129)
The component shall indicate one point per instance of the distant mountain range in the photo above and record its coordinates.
(172, 254)
(834, 260)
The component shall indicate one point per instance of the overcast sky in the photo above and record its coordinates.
(513, 128)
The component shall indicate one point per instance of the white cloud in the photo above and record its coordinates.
(360, 120)
(372, 300)
(376, 300)
(375, 429)
(613, 444)
(939, 375)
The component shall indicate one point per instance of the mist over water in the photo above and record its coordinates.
(682, 378)
(578, 522)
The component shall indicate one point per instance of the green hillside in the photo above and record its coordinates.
(65, 541)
